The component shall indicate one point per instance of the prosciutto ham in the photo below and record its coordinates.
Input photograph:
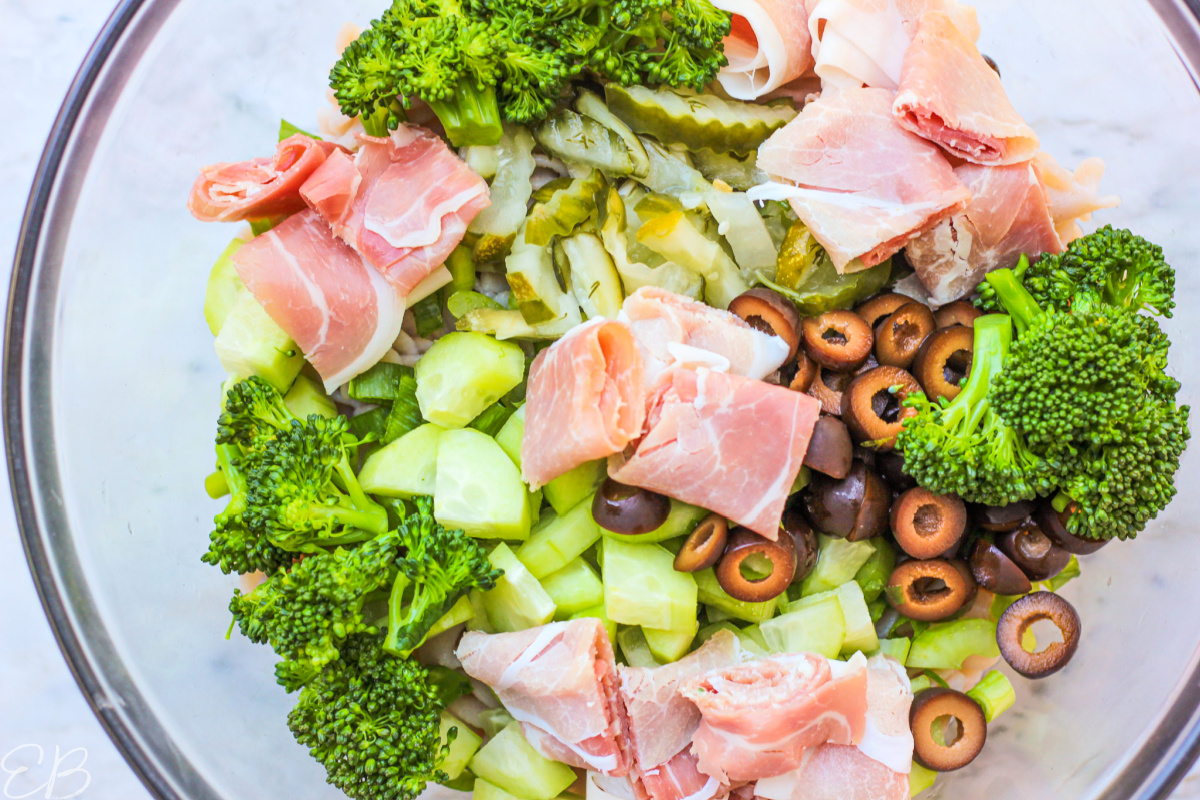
(768, 45)
(1009, 215)
(260, 188)
(698, 445)
(403, 202)
(560, 682)
(661, 722)
(584, 400)
(340, 311)
(757, 719)
(673, 330)
(863, 185)
(949, 95)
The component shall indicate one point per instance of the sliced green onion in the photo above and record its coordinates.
(405, 415)
(492, 419)
(287, 129)
(381, 382)
(371, 424)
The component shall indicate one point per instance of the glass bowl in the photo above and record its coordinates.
(111, 385)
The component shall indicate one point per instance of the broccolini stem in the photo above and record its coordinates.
(1013, 295)
(470, 116)
(993, 338)
(372, 515)
(234, 480)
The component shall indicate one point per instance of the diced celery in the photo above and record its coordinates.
(753, 633)
(838, 561)
(567, 490)
(462, 611)
(307, 397)
(466, 743)
(405, 468)
(574, 587)
(484, 790)
(509, 437)
(921, 683)
(1069, 573)
(818, 627)
(873, 575)
(224, 288)
(641, 587)
(379, 384)
(749, 643)
(920, 779)
(478, 622)
(478, 489)
(511, 763)
(557, 540)
(995, 694)
(668, 646)
(711, 594)
(535, 508)
(714, 613)
(860, 630)
(680, 521)
(635, 648)
(494, 720)
(944, 645)
(896, 648)
(597, 612)
(251, 343)
(1000, 604)
(518, 601)
(464, 373)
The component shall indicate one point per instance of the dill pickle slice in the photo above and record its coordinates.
(566, 208)
(806, 275)
(590, 104)
(581, 140)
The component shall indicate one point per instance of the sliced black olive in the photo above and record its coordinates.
(925, 524)
(855, 507)
(1054, 525)
(899, 337)
(931, 749)
(1034, 552)
(1016, 621)
(769, 312)
(805, 540)
(704, 545)
(873, 405)
(930, 590)
(629, 509)
(991, 63)
(838, 340)
(1000, 519)
(960, 312)
(806, 372)
(890, 465)
(995, 571)
(754, 569)
(880, 307)
(827, 387)
(830, 450)
(944, 361)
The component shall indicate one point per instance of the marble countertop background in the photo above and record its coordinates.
(43, 718)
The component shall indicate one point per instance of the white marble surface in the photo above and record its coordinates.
(41, 711)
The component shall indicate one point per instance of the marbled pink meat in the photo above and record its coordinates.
(260, 188)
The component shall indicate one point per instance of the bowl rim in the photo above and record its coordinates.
(1152, 772)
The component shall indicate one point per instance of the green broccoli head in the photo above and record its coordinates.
(303, 492)
(306, 613)
(254, 412)
(438, 566)
(373, 722)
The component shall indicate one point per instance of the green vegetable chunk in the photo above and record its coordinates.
(577, 139)
(896, 648)
(681, 520)
(920, 779)
(567, 208)
(597, 612)
(574, 588)
(819, 626)
(250, 343)
(477, 487)
(510, 763)
(859, 628)
(484, 790)
(462, 744)
(464, 373)
(635, 274)
(560, 539)
(518, 601)
(405, 468)
(567, 490)
(805, 274)
(873, 575)
(838, 561)
(636, 649)
(307, 397)
(697, 120)
(223, 289)
(641, 587)
(711, 594)
(994, 693)
(678, 237)
(944, 645)
(668, 646)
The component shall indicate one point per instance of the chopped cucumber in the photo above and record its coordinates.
(466, 743)
(581, 140)
(838, 561)
(464, 373)
(510, 435)
(860, 630)
(379, 384)
(635, 648)
(224, 288)
(920, 779)
(251, 343)
(494, 720)
(478, 622)
(589, 104)
(307, 397)
(641, 587)
(597, 612)
(510, 762)
(483, 790)
(711, 594)
(668, 646)
(558, 540)
(574, 588)
(818, 627)
(478, 489)
(518, 601)
(873, 575)
(922, 682)
(462, 611)
(994, 694)
(405, 468)
(681, 520)
(568, 490)
(944, 645)
(592, 275)
(896, 648)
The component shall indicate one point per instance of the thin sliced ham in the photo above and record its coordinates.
(340, 311)
(560, 682)
(404, 206)
(675, 331)
(757, 719)
(260, 188)
(1073, 196)
(1009, 215)
(584, 400)
(768, 45)
(863, 185)
(661, 722)
(950, 96)
(723, 442)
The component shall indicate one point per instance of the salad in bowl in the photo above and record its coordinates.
(672, 401)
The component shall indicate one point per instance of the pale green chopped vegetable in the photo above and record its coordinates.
(678, 236)
(466, 743)
(670, 173)
(559, 539)
(223, 289)
(711, 594)
(641, 587)
(518, 601)
(635, 274)
(592, 275)
(994, 693)
(635, 648)
(510, 762)
(567, 490)
(944, 645)
(859, 629)
(477, 487)
(920, 779)
(308, 397)
(573, 588)
(739, 172)
(873, 575)
(406, 467)
(838, 561)
(251, 343)
(668, 646)
(818, 627)
(896, 648)
(464, 373)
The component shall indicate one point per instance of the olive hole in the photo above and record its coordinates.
(928, 520)
(759, 324)
(928, 588)
(756, 567)
(834, 336)
(703, 535)
(1041, 635)
(946, 730)
(957, 367)
(886, 406)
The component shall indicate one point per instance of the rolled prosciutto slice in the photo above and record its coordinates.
(584, 400)
(1009, 215)
(757, 719)
(661, 722)
(767, 46)
(260, 188)
(723, 442)
(675, 331)
(950, 96)
(340, 311)
(404, 202)
(863, 185)
(560, 682)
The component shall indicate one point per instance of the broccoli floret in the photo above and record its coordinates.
(372, 721)
(233, 546)
(306, 612)
(254, 412)
(964, 447)
(303, 492)
(1110, 267)
(438, 567)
